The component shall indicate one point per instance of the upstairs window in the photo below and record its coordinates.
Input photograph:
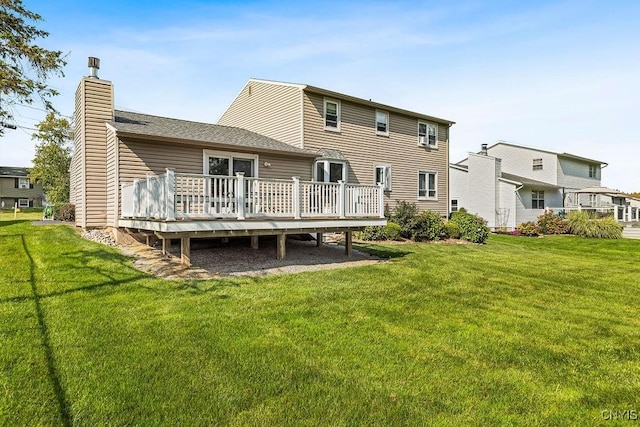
(383, 176)
(427, 185)
(382, 123)
(454, 205)
(537, 199)
(537, 164)
(593, 171)
(332, 115)
(23, 183)
(427, 134)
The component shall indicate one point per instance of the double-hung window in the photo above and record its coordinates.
(23, 203)
(537, 199)
(593, 171)
(427, 134)
(382, 123)
(427, 182)
(383, 176)
(454, 205)
(23, 183)
(537, 164)
(332, 115)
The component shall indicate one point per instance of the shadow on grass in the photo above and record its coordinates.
(386, 252)
(6, 223)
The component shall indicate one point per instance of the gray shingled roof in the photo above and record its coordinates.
(13, 171)
(527, 181)
(144, 125)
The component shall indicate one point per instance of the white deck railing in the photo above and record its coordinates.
(620, 213)
(173, 196)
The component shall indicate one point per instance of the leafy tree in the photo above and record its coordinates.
(53, 158)
(24, 66)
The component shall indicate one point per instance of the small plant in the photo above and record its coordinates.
(66, 212)
(427, 225)
(472, 227)
(391, 231)
(583, 224)
(452, 230)
(550, 223)
(528, 229)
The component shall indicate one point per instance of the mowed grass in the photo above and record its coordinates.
(515, 332)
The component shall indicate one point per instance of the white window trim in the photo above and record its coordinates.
(22, 185)
(327, 171)
(594, 169)
(386, 113)
(538, 199)
(21, 205)
(427, 172)
(426, 141)
(228, 155)
(338, 114)
(388, 186)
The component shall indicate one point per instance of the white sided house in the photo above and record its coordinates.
(180, 179)
(508, 184)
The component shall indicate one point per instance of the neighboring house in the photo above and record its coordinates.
(356, 141)
(183, 179)
(17, 189)
(507, 184)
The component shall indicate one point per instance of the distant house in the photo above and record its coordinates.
(17, 189)
(357, 141)
(508, 184)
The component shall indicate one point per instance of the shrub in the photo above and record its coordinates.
(403, 215)
(472, 227)
(528, 229)
(392, 231)
(66, 212)
(550, 223)
(427, 225)
(583, 224)
(452, 230)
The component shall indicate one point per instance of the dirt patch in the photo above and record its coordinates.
(235, 257)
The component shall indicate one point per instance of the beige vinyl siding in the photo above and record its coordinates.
(113, 186)
(358, 141)
(94, 100)
(270, 109)
(77, 175)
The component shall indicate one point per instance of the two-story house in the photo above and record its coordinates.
(357, 141)
(17, 189)
(508, 184)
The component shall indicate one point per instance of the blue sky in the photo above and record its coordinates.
(562, 76)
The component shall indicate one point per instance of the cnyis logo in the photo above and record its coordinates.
(614, 414)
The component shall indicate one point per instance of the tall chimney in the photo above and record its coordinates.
(483, 149)
(94, 66)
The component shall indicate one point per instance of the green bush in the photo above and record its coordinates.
(391, 231)
(550, 223)
(583, 224)
(528, 229)
(427, 225)
(452, 230)
(403, 215)
(472, 227)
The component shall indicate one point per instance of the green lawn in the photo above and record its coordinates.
(519, 331)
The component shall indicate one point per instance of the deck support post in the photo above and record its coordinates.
(281, 247)
(319, 239)
(254, 242)
(166, 246)
(185, 251)
(348, 243)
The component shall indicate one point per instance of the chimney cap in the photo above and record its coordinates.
(94, 66)
(483, 149)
